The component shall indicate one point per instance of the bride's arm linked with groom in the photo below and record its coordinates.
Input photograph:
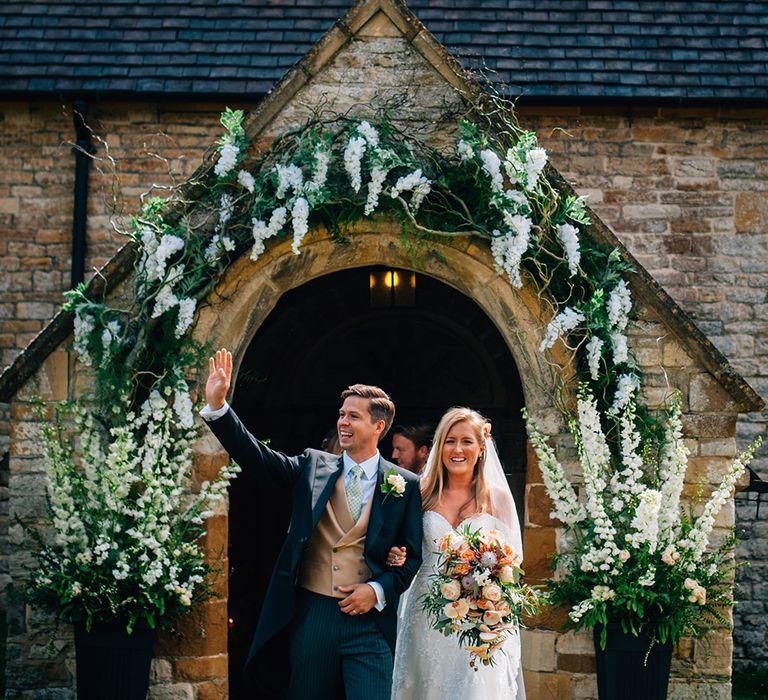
(331, 583)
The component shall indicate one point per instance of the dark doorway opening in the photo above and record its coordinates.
(435, 350)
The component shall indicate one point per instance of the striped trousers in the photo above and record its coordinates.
(334, 655)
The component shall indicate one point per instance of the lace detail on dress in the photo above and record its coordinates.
(431, 666)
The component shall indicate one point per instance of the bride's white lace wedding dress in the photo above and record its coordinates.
(429, 665)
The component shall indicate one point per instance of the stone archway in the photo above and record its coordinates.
(249, 292)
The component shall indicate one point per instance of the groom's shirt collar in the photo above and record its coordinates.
(370, 466)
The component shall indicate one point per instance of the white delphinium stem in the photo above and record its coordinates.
(645, 523)
(353, 155)
(626, 482)
(595, 461)
(594, 355)
(627, 385)
(673, 463)
(569, 237)
(560, 325)
(698, 537)
(300, 222)
(566, 503)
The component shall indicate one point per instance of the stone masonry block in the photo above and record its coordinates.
(538, 650)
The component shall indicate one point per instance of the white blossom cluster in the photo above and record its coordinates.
(561, 325)
(569, 237)
(246, 180)
(228, 157)
(262, 231)
(508, 249)
(627, 386)
(594, 355)
(84, 325)
(619, 306)
(300, 222)
(464, 151)
(698, 538)
(566, 503)
(353, 157)
(525, 163)
(492, 166)
(289, 177)
(123, 507)
(673, 463)
(416, 183)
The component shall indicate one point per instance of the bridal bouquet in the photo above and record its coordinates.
(476, 593)
(633, 554)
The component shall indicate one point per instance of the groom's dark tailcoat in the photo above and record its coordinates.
(311, 476)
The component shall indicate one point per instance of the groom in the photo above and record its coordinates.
(331, 582)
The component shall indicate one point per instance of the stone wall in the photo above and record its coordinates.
(678, 186)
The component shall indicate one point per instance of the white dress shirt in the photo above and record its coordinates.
(370, 469)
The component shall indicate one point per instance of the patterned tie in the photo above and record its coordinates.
(355, 491)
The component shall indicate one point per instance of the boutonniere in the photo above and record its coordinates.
(394, 484)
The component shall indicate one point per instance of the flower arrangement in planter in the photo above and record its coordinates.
(125, 528)
(639, 558)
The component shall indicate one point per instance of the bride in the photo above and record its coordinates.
(463, 484)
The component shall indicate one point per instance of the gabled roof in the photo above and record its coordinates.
(544, 49)
(343, 32)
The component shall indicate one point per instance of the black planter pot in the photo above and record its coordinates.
(112, 664)
(622, 670)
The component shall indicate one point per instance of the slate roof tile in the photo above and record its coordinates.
(550, 48)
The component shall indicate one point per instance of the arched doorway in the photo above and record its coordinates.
(435, 350)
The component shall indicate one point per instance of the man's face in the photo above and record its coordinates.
(404, 453)
(358, 432)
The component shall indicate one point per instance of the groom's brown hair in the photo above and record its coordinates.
(380, 406)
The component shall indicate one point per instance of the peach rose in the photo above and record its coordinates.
(451, 590)
(456, 610)
(507, 574)
(503, 607)
(492, 617)
(461, 569)
(466, 553)
(492, 592)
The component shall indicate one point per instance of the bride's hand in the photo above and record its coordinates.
(396, 556)
(219, 378)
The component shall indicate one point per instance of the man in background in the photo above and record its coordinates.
(410, 446)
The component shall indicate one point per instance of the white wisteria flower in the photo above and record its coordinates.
(594, 355)
(569, 237)
(228, 157)
(246, 180)
(619, 306)
(369, 133)
(262, 231)
(413, 182)
(508, 249)
(464, 151)
(561, 325)
(322, 161)
(535, 160)
(492, 167)
(289, 177)
(627, 386)
(84, 325)
(353, 156)
(299, 221)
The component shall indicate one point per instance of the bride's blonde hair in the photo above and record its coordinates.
(435, 473)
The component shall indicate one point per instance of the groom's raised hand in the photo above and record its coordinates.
(219, 378)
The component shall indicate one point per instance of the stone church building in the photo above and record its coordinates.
(659, 115)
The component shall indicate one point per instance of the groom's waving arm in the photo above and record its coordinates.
(242, 446)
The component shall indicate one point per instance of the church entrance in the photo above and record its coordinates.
(429, 346)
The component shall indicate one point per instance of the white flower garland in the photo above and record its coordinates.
(563, 323)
